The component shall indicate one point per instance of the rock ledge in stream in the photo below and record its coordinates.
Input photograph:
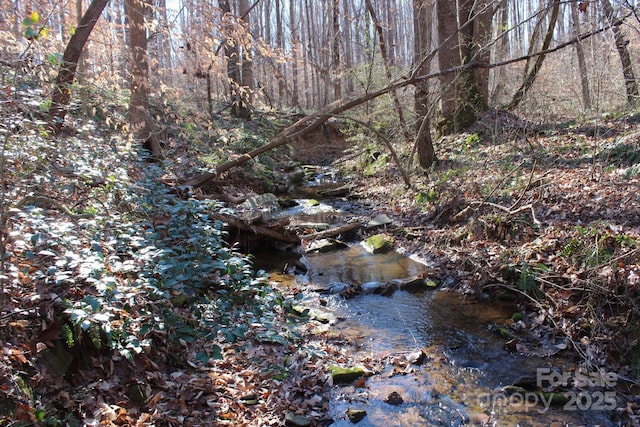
(412, 284)
(350, 290)
(326, 245)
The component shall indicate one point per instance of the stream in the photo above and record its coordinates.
(439, 358)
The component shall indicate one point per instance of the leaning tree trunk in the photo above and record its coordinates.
(630, 83)
(387, 69)
(140, 124)
(62, 89)
(531, 72)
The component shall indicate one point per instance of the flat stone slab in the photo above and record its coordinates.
(379, 220)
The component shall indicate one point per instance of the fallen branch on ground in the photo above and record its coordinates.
(332, 231)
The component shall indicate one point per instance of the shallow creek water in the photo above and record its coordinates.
(466, 366)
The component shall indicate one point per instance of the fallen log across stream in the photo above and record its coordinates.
(332, 231)
(275, 230)
(258, 230)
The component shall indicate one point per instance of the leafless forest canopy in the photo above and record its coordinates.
(305, 53)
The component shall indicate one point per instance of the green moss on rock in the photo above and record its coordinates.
(345, 375)
(380, 243)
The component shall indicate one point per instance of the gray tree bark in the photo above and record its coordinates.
(422, 22)
(582, 64)
(630, 83)
(464, 29)
(140, 124)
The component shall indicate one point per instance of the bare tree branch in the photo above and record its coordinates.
(316, 119)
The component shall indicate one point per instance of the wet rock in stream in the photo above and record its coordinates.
(295, 420)
(345, 375)
(417, 358)
(394, 398)
(355, 415)
(326, 245)
(380, 243)
(446, 413)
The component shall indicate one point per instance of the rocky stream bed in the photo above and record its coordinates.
(416, 352)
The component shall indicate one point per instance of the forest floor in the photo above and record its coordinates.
(547, 214)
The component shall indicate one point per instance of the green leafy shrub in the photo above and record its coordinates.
(130, 265)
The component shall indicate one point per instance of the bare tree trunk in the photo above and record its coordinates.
(387, 69)
(477, 38)
(295, 43)
(323, 33)
(81, 65)
(165, 62)
(502, 51)
(348, 47)
(313, 89)
(306, 65)
(247, 80)
(630, 83)
(531, 73)
(335, 50)
(448, 55)
(422, 22)
(238, 92)
(139, 119)
(463, 31)
(62, 88)
(582, 64)
(280, 44)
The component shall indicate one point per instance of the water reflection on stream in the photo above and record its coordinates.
(466, 365)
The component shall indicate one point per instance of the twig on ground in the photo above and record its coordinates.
(499, 184)
(526, 188)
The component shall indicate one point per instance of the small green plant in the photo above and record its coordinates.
(424, 197)
(471, 140)
(281, 371)
(527, 280)
(594, 245)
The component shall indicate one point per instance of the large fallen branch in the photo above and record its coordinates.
(332, 231)
(316, 119)
(237, 223)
